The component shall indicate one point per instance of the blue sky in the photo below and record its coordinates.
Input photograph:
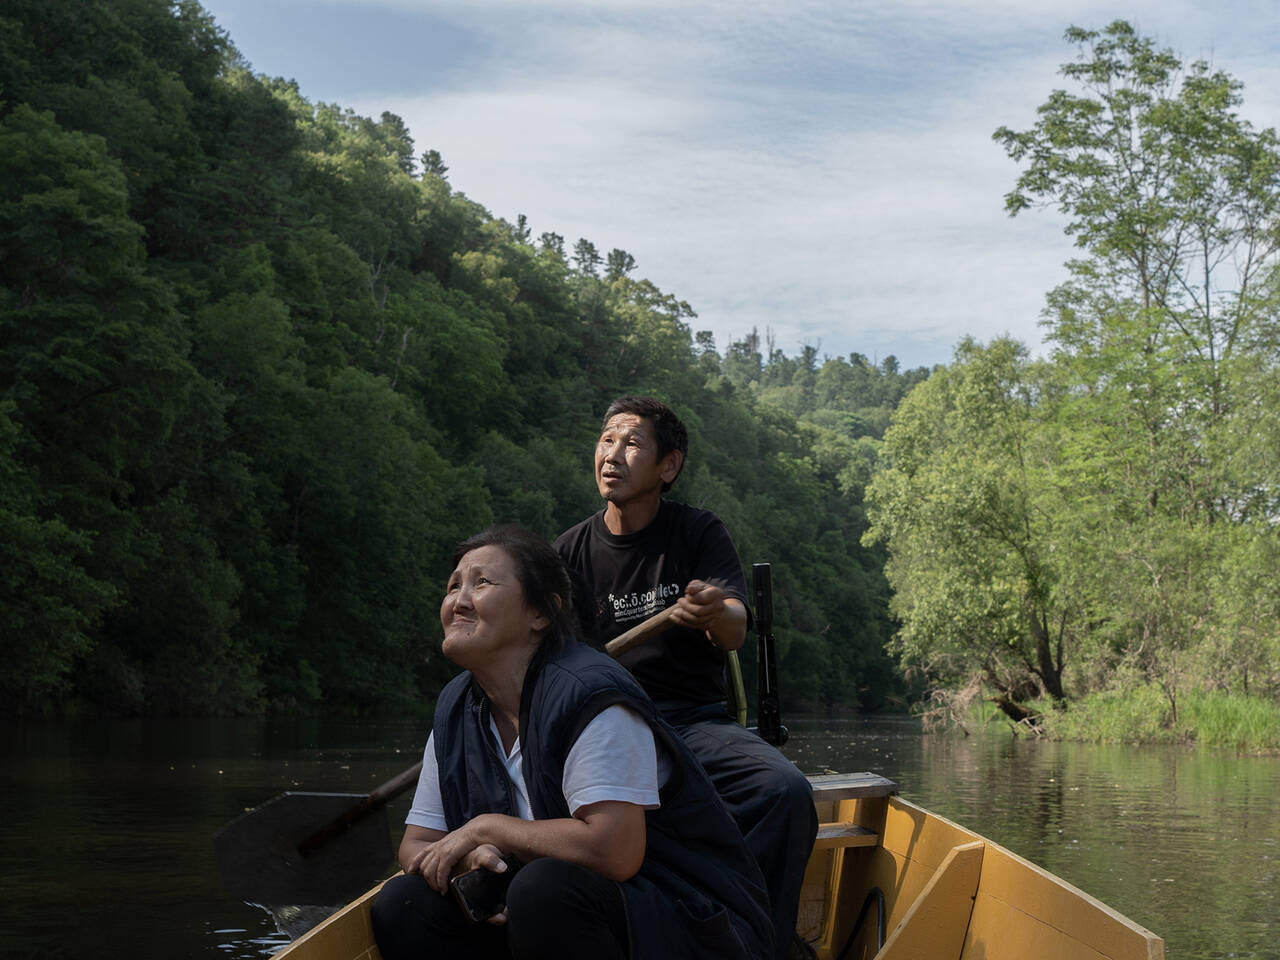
(823, 171)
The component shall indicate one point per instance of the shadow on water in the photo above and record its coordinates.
(106, 828)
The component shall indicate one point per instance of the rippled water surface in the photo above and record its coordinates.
(106, 849)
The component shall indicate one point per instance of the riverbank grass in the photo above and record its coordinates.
(1144, 715)
(1234, 720)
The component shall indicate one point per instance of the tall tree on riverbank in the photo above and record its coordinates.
(1143, 485)
(1165, 336)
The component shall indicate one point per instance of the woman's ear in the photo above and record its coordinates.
(542, 621)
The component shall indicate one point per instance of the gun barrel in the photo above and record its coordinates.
(762, 580)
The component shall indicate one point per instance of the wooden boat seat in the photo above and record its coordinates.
(849, 786)
(834, 835)
(848, 805)
(828, 790)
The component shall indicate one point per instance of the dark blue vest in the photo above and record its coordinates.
(696, 873)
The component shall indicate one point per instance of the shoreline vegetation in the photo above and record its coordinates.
(1141, 716)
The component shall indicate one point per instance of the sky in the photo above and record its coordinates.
(822, 172)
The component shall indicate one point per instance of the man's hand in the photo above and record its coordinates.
(705, 607)
(700, 607)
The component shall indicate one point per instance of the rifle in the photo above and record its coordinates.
(769, 711)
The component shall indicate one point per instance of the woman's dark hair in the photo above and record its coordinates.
(668, 430)
(542, 576)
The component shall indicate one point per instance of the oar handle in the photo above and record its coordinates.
(398, 784)
(639, 633)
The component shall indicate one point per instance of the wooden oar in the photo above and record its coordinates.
(397, 785)
(309, 848)
(639, 633)
(325, 848)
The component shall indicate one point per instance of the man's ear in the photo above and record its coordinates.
(670, 467)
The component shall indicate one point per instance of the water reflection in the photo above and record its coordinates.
(237, 943)
(105, 828)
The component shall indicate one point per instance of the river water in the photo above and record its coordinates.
(106, 827)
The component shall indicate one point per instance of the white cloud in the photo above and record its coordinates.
(823, 169)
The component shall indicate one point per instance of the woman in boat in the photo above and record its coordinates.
(546, 750)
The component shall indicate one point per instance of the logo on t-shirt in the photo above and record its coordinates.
(642, 605)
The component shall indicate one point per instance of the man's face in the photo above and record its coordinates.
(627, 464)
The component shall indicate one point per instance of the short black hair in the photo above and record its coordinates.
(542, 575)
(667, 427)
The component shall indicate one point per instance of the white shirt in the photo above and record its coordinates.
(614, 758)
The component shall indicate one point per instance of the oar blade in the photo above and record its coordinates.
(260, 863)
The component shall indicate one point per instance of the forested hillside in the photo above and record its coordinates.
(261, 367)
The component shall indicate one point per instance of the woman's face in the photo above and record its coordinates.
(484, 612)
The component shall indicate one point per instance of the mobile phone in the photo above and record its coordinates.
(483, 892)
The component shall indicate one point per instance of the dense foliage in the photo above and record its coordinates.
(260, 368)
(1107, 520)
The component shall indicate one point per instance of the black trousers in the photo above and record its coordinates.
(554, 909)
(769, 797)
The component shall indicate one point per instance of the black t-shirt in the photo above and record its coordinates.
(620, 581)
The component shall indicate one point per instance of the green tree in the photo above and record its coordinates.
(553, 243)
(743, 361)
(92, 366)
(586, 258)
(1079, 514)
(46, 597)
(1165, 333)
(965, 507)
(433, 165)
(618, 264)
(1173, 196)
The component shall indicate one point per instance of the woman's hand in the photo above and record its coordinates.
(438, 856)
(607, 837)
(457, 852)
(487, 856)
(414, 846)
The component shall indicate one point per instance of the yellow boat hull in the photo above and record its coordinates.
(948, 893)
(951, 893)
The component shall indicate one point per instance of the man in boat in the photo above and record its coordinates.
(643, 553)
